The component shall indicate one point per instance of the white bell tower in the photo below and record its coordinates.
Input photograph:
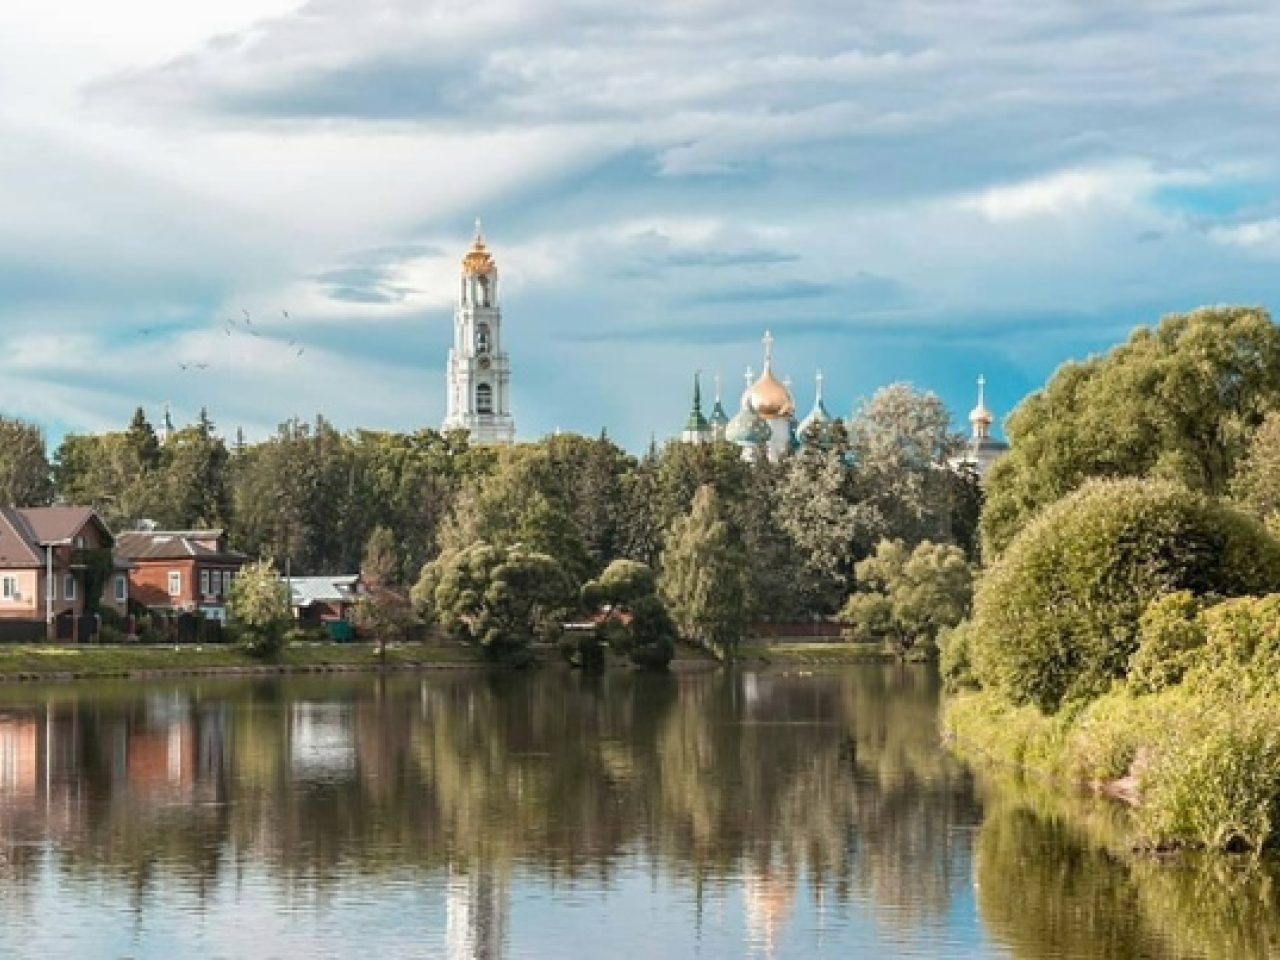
(479, 372)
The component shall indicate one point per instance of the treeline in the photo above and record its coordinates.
(321, 499)
(1124, 628)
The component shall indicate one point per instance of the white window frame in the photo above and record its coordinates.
(204, 583)
(9, 588)
(175, 583)
(68, 586)
(122, 588)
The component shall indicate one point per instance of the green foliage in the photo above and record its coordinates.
(95, 565)
(1169, 635)
(636, 623)
(1180, 401)
(500, 598)
(1056, 617)
(705, 577)
(381, 562)
(1212, 773)
(385, 615)
(905, 597)
(954, 663)
(258, 608)
(900, 442)
(25, 479)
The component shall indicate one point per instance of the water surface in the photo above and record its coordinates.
(549, 815)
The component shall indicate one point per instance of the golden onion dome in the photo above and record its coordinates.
(769, 396)
(478, 261)
(980, 415)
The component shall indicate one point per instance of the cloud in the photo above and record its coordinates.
(901, 190)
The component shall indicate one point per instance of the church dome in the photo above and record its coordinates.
(980, 417)
(769, 396)
(478, 261)
(747, 427)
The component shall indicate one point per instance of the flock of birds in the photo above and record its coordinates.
(237, 326)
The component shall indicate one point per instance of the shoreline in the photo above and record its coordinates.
(26, 663)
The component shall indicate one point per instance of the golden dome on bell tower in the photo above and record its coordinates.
(478, 261)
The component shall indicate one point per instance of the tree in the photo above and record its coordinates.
(1256, 485)
(906, 597)
(258, 607)
(1181, 402)
(381, 563)
(636, 622)
(195, 478)
(705, 578)
(816, 510)
(901, 443)
(385, 614)
(498, 597)
(1056, 618)
(25, 476)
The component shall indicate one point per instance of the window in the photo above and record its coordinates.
(122, 588)
(484, 398)
(204, 582)
(9, 588)
(69, 587)
(482, 338)
(175, 583)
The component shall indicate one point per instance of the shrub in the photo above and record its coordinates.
(1056, 618)
(1169, 635)
(1213, 776)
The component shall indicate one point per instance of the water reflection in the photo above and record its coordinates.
(1056, 879)
(486, 816)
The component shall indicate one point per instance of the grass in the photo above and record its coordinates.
(786, 651)
(35, 661)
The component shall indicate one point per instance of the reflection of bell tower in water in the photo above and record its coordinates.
(476, 914)
(479, 371)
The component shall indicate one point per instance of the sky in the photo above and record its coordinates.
(258, 207)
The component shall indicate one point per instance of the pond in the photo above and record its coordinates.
(710, 814)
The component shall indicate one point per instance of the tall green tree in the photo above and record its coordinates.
(25, 475)
(195, 478)
(901, 443)
(706, 576)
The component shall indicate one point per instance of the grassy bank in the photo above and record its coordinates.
(85, 661)
(812, 653)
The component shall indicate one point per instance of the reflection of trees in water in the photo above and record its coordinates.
(1049, 885)
(832, 780)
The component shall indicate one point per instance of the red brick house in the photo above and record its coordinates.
(44, 560)
(180, 570)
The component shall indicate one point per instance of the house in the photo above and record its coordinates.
(46, 556)
(317, 600)
(174, 571)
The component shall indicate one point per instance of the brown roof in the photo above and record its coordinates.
(176, 545)
(24, 531)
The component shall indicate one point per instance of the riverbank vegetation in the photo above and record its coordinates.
(477, 537)
(1125, 631)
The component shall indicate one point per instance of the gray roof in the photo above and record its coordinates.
(343, 588)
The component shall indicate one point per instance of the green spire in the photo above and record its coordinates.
(696, 423)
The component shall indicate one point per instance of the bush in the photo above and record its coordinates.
(1169, 635)
(1213, 776)
(1056, 618)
